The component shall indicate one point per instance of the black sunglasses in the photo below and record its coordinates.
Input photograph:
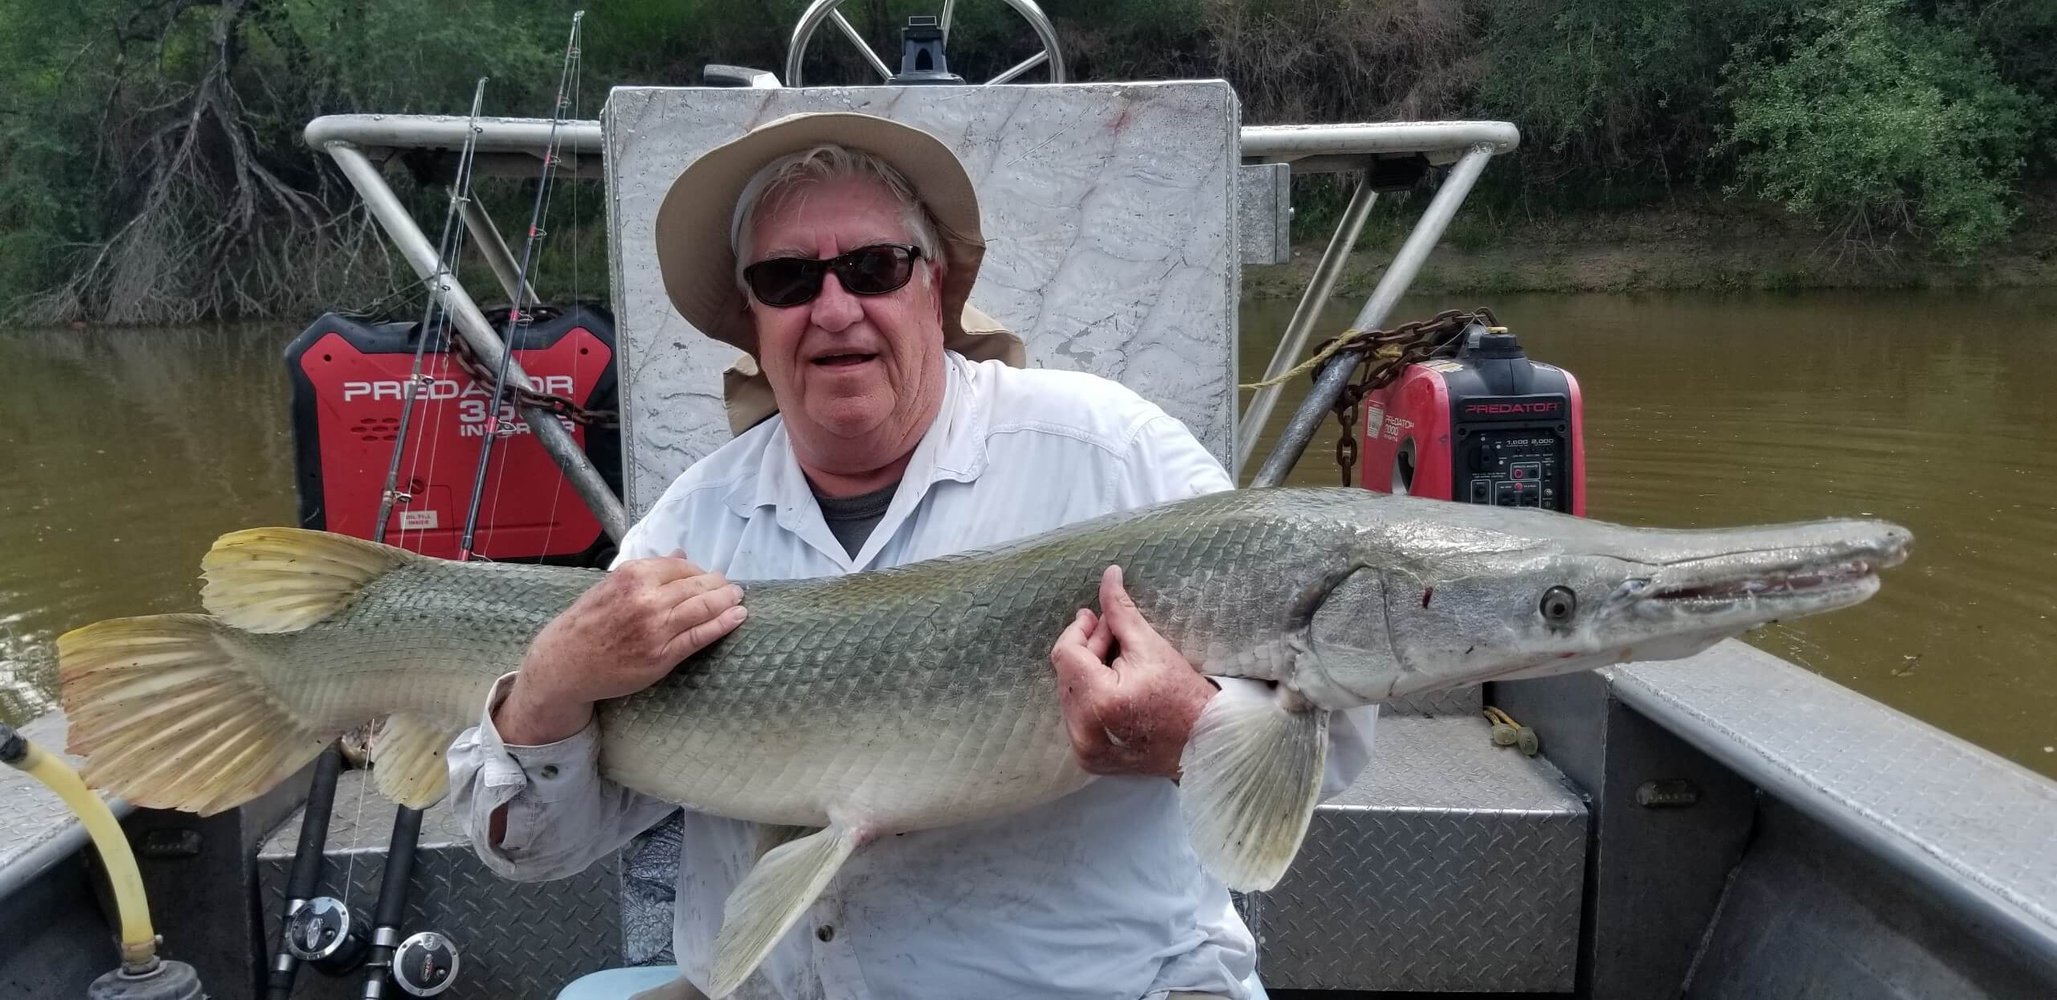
(868, 270)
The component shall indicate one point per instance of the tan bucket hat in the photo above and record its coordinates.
(699, 266)
(693, 223)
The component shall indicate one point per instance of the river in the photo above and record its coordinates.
(126, 452)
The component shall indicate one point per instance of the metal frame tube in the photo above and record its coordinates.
(583, 136)
(1427, 233)
(1479, 141)
(495, 135)
(1285, 142)
(471, 324)
(1294, 342)
(1392, 284)
(486, 237)
(1328, 387)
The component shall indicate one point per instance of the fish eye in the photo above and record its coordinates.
(1559, 605)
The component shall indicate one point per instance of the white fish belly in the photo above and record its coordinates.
(892, 768)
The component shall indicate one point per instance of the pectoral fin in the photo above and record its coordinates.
(770, 900)
(1251, 779)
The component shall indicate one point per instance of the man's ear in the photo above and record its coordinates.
(935, 289)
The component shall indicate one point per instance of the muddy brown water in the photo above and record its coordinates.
(123, 453)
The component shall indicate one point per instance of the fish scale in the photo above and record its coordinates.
(896, 653)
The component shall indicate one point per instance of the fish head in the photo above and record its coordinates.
(1438, 594)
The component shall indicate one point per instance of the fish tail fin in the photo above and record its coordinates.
(407, 760)
(770, 900)
(1251, 777)
(172, 712)
(271, 579)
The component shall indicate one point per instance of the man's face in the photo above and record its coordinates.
(859, 368)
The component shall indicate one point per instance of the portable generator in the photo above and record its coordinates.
(349, 385)
(1478, 423)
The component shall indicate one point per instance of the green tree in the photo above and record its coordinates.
(1613, 93)
(1882, 123)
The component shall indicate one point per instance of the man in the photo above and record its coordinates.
(839, 250)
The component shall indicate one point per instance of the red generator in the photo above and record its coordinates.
(1480, 424)
(349, 377)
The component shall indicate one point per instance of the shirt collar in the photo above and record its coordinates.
(953, 449)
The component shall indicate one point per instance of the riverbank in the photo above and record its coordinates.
(1683, 246)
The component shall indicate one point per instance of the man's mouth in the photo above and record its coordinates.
(843, 360)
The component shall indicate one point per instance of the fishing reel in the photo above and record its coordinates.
(425, 964)
(324, 933)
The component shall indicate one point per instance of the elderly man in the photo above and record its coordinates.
(839, 250)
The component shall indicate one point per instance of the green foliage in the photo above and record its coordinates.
(413, 57)
(2021, 38)
(1877, 119)
(1612, 84)
(152, 166)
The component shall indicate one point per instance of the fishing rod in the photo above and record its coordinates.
(425, 963)
(517, 317)
(432, 960)
(322, 931)
(448, 247)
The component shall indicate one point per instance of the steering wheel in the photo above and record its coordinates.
(829, 10)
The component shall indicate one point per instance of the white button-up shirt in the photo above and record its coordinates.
(1096, 895)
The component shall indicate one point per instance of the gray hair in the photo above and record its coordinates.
(823, 163)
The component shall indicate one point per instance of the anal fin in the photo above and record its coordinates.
(408, 761)
(772, 836)
(769, 900)
(1251, 777)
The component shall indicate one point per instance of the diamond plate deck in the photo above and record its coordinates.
(516, 940)
(1451, 865)
(1454, 701)
(36, 827)
(1973, 825)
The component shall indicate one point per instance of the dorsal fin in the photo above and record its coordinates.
(286, 579)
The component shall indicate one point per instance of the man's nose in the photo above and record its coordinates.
(835, 308)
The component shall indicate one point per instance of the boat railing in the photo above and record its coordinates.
(1377, 152)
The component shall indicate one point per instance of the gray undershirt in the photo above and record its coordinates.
(851, 519)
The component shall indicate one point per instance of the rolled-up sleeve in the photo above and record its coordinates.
(562, 814)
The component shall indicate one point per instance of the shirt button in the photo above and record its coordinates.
(548, 771)
(825, 932)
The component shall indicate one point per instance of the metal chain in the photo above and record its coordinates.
(523, 395)
(1392, 351)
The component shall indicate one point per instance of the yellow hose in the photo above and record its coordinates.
(138, 941)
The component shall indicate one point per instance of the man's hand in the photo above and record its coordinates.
(1133, 715)
(618, 638)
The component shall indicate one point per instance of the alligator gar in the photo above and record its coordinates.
(923, 695)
